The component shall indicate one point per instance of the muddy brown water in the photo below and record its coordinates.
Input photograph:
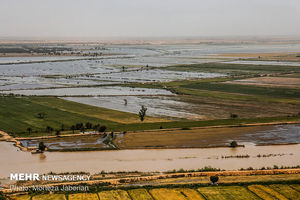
(13, 160)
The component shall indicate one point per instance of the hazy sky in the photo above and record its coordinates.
(148, 18)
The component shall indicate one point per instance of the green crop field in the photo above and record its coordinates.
(49, 197)
(83, 196)
(229, 192)
(265, 192)
(235, 69)
(114, 195)
(17, 114)
(287, 191)
(213, 96)
(139, 194)
(245, 89)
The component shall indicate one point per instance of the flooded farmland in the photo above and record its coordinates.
(167, 106)
(91, 91)
(99, 80)
(129, 66)
(145, 160)
(257, 135)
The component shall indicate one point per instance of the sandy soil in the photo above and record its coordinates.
(270, 81)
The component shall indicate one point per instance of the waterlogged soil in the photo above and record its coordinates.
(132, 57)
(91, 91)
(210, 137)
(188, 107)
(195, 138)
(15, 161)
(152, 75)
(157, 106)
(69, 142)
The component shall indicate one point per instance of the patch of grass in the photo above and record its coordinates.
(204, 123)
(234, 69)
(245, 89)
(17, 114)
(49, 197)
(296, 187)
(265, 192)
(198, 191)
(286, 190)
(21, 197)
(226, 193)
(167, 194)
(138, 194)
(191, 194)
(114, 194)
(81, 196)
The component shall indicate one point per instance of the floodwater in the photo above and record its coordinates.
(157, 106)
(15, 161)
(279, 134)
(91, 91)
(132, 57)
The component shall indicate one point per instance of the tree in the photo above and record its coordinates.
(233, 116)
(96, 127)
(73, 128)
(79, 126)
(57, 133)
(214, 179)
(142, 113)
(29, 130)
(49, 129)
(102, 128)
(88, 125)
(42, 146)
(233, 144)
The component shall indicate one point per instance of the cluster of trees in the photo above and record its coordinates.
(82, 127)
(79, 126)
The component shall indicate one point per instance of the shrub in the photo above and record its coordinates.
(102, 128)
(214, 179)
(233, 116)
(233, 144)
(42, 146)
